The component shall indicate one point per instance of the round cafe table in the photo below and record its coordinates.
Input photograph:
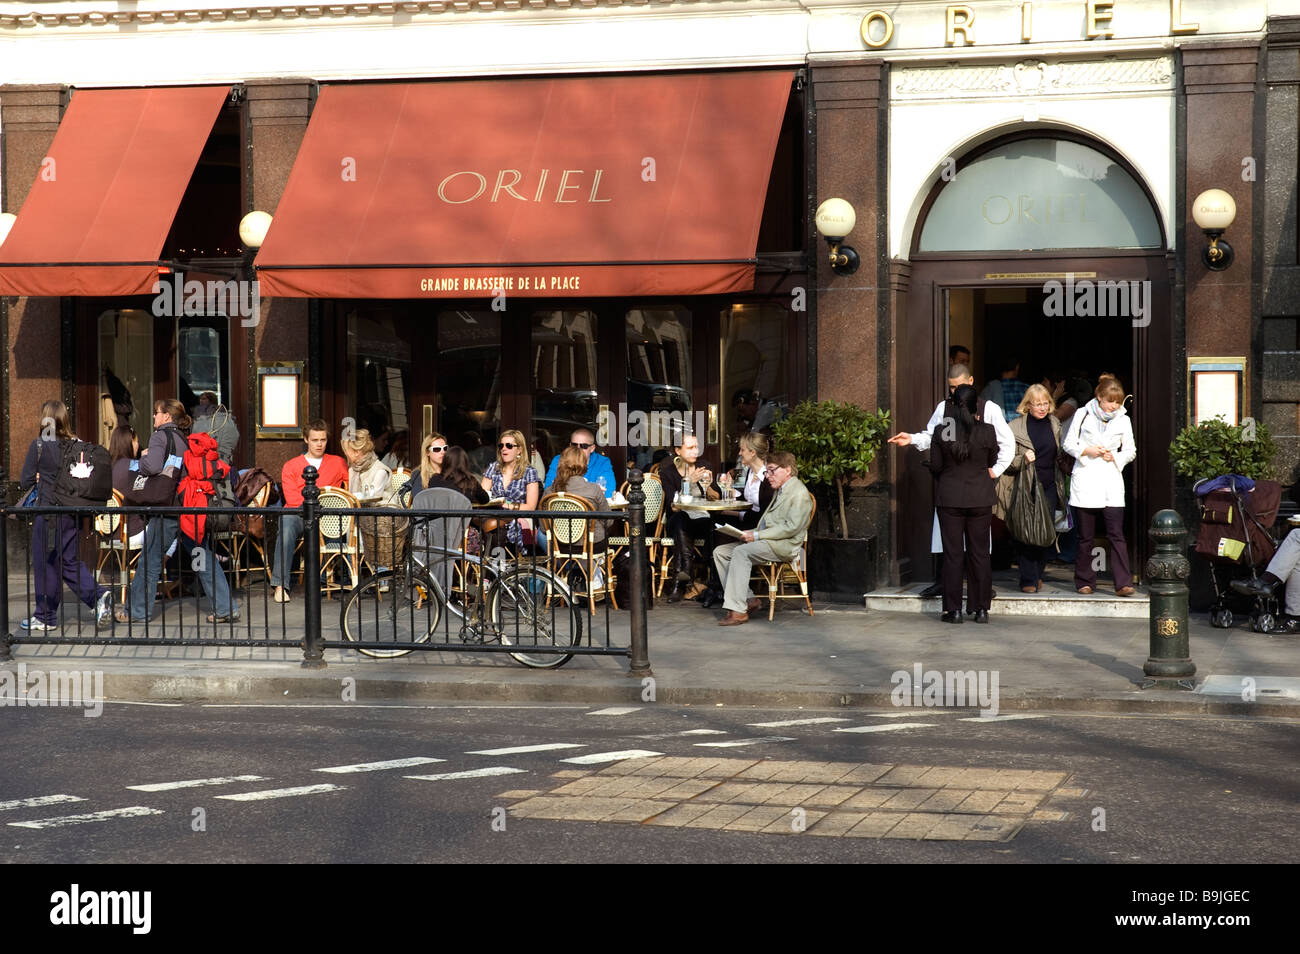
(713, 506)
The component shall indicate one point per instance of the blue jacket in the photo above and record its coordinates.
(597, 467)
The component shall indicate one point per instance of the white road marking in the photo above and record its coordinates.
(1001, 718)
(472, 773)
(737, 743)
(887, 728)
(131, 702)
(521, 749)
(194, 783)
(616, 710)
(40, 800)
(908, 712)
(597, 757)
(282, 793)
(135, 811)
(788, 722)
(350, 705)
(379, 766)
(702, 732)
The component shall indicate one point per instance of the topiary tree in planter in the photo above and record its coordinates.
(834, 442)
(1216, 447)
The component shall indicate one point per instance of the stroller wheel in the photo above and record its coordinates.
(1263, 623)
(1222, 619)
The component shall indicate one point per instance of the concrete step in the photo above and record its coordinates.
(1055, 599)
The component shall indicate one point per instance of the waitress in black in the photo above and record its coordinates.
(962, 454)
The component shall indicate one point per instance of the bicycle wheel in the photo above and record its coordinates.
(392, 607)
(532, 609)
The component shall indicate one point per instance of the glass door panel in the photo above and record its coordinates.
(659, 404)
(125, 373)
(563, 363)
(754, 362)
(467, 372)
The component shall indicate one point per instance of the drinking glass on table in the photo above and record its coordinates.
(604, 486)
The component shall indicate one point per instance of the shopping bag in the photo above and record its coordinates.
(1029, 519)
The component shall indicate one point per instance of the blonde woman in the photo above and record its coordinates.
(433, 450)
(512, 477)
(367, 476)
(1037, 431)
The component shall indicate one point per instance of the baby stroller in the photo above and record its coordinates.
(1237, 515)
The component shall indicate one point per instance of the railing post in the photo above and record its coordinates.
(637, 573)
(313, 656)
(6, 652)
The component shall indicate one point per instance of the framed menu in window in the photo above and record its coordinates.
(281, 399)
(1216, 388)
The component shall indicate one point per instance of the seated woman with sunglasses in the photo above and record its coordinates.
(511, 477)
(433, 449)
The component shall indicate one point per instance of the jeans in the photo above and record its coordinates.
(159, 533)
(59, 564)
(286, 541)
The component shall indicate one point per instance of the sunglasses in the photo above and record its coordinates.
(506, 445)
(437, 450)
(579, 445)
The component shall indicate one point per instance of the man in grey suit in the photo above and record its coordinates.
(777, 538)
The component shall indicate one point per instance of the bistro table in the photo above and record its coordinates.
(713, 506)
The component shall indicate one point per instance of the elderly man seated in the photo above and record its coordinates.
(777, 538)
(1281, 569)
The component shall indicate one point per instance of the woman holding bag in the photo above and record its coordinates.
(1037, 431)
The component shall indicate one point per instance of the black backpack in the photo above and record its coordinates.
(222, 499)
(85, 475)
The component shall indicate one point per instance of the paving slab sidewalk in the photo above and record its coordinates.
(843, 656)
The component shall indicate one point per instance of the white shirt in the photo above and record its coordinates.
(993, 415)
(752, 487)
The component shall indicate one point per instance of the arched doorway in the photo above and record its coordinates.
(1046, 246)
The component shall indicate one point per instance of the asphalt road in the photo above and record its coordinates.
(1170, 790)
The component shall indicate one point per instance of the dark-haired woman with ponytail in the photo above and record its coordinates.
(962, 451)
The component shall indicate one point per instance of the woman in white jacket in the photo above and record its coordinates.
(1100, 437)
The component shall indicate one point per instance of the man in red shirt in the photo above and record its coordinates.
(332, 471)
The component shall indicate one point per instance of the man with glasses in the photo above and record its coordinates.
(777, 538)
(990, 413)
(599, 469)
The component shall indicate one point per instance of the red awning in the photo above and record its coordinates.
(608, 186)
(96, 218)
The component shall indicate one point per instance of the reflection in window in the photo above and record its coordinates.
(753, 370)
(564, 377)
(379, 360)
(1035, 194)
(125, 373)
(468, 379)
(658, 380)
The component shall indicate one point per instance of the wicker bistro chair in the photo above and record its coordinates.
(654, 513)
(339, 540)
(114, 543)
(383, 539)
(790, 573)
(572, 543)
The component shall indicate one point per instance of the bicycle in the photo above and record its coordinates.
(516, 604)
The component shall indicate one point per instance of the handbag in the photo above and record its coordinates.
(1029, 519)
(33, 497)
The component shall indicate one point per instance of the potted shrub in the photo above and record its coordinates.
(1215, 447)
(834, 443)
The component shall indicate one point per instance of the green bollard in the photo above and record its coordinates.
(1166, 572)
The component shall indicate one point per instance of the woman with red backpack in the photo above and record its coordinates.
(55, 540)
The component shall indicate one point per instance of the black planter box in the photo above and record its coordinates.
(841, 570)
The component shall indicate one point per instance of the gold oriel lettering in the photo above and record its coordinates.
(1176, 24)
(885, 20)
(442, 188)
(965, 26)
(1026, 22)
(541, 185)
(1099, 14)
(564, 184)
(509, 187)
(595, 187)
(984, 210)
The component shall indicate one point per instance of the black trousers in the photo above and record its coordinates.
(968, 525)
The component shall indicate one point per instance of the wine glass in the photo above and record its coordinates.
(604, 486)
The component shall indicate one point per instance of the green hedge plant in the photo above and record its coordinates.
(833, 442)
(1215, 447)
